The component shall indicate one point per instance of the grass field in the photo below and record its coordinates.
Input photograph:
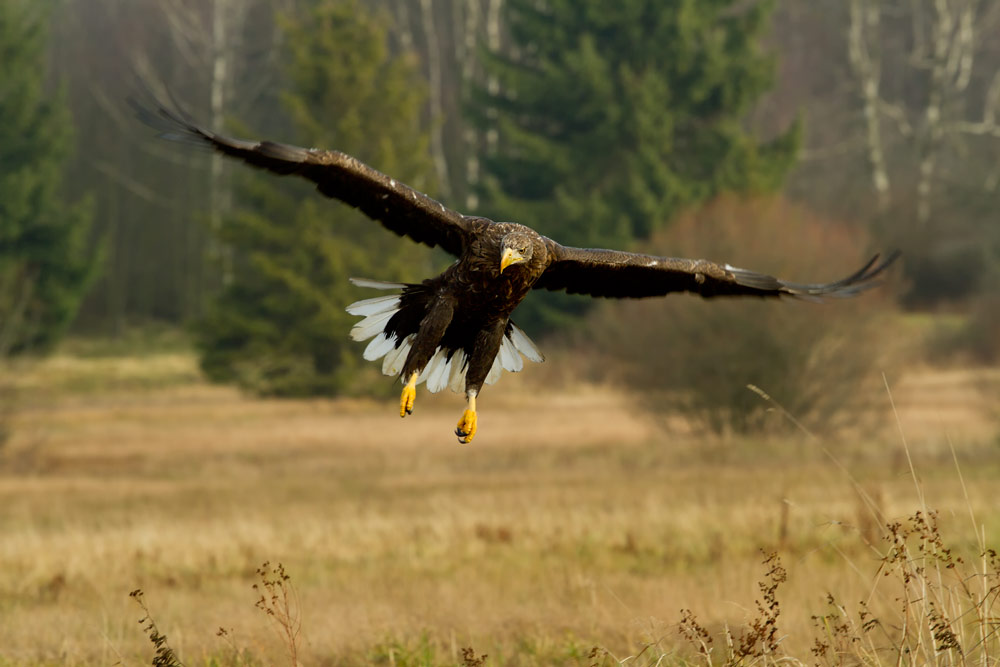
(571, 522)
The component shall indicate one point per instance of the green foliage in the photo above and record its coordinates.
(45, 265)
(279, 327)
(615, 115)
(697, 356)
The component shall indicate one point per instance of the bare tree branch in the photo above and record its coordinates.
(133, 186)
(897, 114)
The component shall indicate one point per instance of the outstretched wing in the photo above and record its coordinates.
(615, 274)
(397, 206)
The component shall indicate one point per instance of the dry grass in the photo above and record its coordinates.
(570, 522)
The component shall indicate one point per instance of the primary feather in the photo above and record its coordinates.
(454, 329)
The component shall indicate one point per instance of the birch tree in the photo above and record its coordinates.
(156, 205)
(958, 99)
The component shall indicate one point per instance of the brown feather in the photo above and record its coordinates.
(468, 306)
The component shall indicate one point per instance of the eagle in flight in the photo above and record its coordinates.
(454, 330)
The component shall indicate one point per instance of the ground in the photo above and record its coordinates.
(571, 522)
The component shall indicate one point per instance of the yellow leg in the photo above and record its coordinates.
(408, 396)
(466, 429)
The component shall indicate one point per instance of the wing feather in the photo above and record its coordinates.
(397, 206)
(616, 274)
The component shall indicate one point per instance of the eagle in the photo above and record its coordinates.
(454, 330)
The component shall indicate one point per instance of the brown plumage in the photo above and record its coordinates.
(455, 329)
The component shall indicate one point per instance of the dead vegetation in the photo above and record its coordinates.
(697, 356)
(582, 527)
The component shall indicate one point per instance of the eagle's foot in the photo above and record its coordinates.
(466, 429)
(408, 396)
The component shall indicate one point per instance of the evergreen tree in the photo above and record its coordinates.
(45, 265)
(280, 327)
(613, 115)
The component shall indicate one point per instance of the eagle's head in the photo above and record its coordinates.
(515, 248)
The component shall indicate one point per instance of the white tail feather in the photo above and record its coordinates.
(371, 325)
(438, 379)
(440, 371)
(379, 346)
(525, 345)
(394, 359)
(379, 304)
(456, 381)
(495, 371)
(510, 358)
(376, 284)
(436, 359)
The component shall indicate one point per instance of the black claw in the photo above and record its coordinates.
(409, 411)
(460, 433)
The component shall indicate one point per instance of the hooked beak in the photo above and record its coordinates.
(510, 256)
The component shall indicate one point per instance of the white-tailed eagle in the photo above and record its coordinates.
(454, 330)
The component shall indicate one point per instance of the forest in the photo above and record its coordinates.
(879, 114)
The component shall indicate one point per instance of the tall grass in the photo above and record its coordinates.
(930, 603)
(572, 525)
(926, 606)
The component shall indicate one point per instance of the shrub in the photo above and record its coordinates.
(977, 340)
(698, 355)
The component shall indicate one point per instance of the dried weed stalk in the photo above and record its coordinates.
(759, 643)
(470, 659)
(942, 608)
(164, 656)
(280, 601)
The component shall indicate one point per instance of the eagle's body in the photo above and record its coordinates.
(455, 329)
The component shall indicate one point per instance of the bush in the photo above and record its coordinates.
(976, 340)
(698, 355)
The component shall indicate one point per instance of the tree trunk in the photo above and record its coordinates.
(863, 56)
(930, 137)
(468, 56)
(436, 107)
(220, 199)
(493, 43)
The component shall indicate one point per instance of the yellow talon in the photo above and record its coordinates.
(466, 430)
(408, 396)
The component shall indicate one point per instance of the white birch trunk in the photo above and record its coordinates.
(930, 140)
(468, 59)
(436, 106)
(403, 25)
(864, 60)
(206, 36)
(493, 42)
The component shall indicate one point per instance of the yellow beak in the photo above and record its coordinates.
(510, 256)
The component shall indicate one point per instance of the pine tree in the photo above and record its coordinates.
(45, 265)
(279, 327)
(614, 115)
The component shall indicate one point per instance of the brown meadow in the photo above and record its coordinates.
(572, 522)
